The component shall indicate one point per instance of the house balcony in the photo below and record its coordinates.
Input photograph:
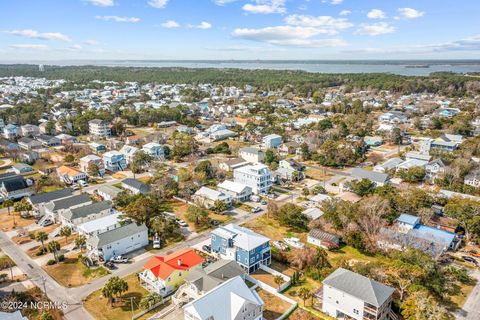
(152, 285)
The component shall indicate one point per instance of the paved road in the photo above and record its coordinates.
(471, 308)
(74, 296)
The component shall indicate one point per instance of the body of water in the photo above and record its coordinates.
(406, 67)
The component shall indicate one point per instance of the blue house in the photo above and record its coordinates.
(114, 161)
(249, 249)
(272, 141)
(10, 131)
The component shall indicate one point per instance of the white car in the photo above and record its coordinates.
(182, 223)
(280, 245)
(119, 259)
(256, 209)
(82, 183)
(294, 242)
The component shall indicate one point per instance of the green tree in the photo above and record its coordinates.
(219, 206)
(53, 247)
(8, 204)
(291, 215)
(93, 170)
(80, 242)
(467, 214)
(69, 158)
(270, 157)
(305, 294)
(150, 299)
(362, 188)
(41, 236)
(396, 136)
(66, 232)
(413, 174)
(278, 280)
(196, 214)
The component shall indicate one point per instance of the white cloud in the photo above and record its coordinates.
(33, 34)
(266, 6)
(75, 47)
(287, 36)
(159, 4)
(375, 29)
(327, 24)
(91, 42)
(410, 13)
(169, 24)
(118, 19)
(335, 2)
(101, 3)
(29, 46)
(345, 12)
(223, 2)
(203, 25)
(376, 14)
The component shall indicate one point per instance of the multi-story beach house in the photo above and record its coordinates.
(258, 177)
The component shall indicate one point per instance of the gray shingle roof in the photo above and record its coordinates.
(49, 196)
(85, 211)
(370, 175)
(137, 184)
(69, 202)
(117, 234)
(354, 284)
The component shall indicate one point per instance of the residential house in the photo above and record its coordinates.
(248, 248)
(13, 186)
(29, 130)
(258, 177)
(75, 216)
(135, 186)
(232, 164)
(39, 200)
(393, 117)
(379, 179)
(347, 294)
(29, 144)
(291, 147)
(114, 161)
(373, 141)
(323, 239)
(133, 140)
(70, 175)
(48, 141)
(438, 145)
(472, 179)
(154, 150)
(99, 128)
(107, 192)
(128, 152)
(88, 162)
(289, 169)
(238, 191)
(66, 138)
(207, 197)
(434, 169)
(272, 141)
(10, 131)
(312, 213)
(20, 168)
(119, 241)
(253, 155)
(232, 299)
(100, 225)
(54, 208)
(8, 145)
(164, 275)
(97, 147)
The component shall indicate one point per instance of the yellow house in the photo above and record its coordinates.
(165, 274)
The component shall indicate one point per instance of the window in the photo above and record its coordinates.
(213, 237)
(356, 311)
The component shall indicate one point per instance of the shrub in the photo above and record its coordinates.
(61, 257)
(31, 235)
(3, 277)
(51, 262)
(40, 252)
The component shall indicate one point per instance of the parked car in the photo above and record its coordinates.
(83, 183)
(46, 222)
(280, 245)
(182, 223)
(75, 187)
(207, 248)
(474, 253)
(256, 209)
(109, 265)
(263, 202)
(119, 259)
(214, 222)
(294, 242)
(255, 198)
(470, 259)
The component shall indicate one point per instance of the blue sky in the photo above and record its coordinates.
(239, 29)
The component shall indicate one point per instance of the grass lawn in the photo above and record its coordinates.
(62, 241)
(317, 174)
(73, 273)
(270, 228)
(180, 210)
(98, 307)
(50, 188)
(118, 176)
(6, 220)
(459, 299)
(144, 179)
(274, 307)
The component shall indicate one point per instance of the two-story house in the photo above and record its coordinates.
(88, 162)
(349, 295)
(70, 175)
(238, 191)
(154, 150)
(164, 275)
(253, 155)
(272, 141)
(10, 131)
(258, 177)
(289, 169)
(29, 130)
(75, 216)
(207, 197)
(248, 248)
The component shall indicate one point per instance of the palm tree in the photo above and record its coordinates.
(42, 236)
(8, 203)
(107, 292)
(150, 299)
(278, 281)
(54, 246)
(80, 241)
(66, 232)
(304, 293)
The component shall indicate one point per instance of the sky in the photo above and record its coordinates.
(238, 29)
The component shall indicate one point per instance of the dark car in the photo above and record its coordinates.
(470, 259)
(207, 248)
(215, 222)
(109, 265)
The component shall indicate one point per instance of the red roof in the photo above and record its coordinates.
(183, 259)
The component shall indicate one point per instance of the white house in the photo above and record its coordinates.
(135, 186)
(87, 162)
(99, 128)
(349, 294)
(472, 179)
(272, 141)
(232, 300)
(100, 225)
(108, 192)
(119, 241)
(128, 152)
(206, 197)
(75, 216)
(70, 175)
(238, 191)
(258, 177)
(253, 155)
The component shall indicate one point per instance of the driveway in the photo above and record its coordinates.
(471, 308)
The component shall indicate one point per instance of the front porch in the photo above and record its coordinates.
(152, 285)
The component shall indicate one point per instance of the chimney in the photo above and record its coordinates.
(179, 262)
